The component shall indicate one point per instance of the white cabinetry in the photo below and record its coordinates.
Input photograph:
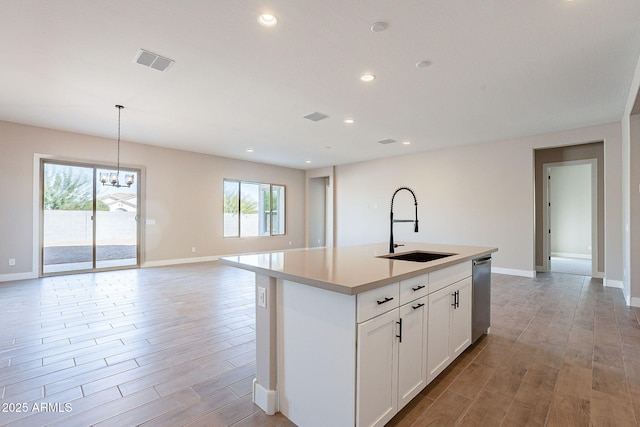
(391, 340)
(412, 350)
(392, 351)
(377, 370)
(461, 318)
(449, 325)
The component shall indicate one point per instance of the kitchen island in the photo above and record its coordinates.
(345, 336)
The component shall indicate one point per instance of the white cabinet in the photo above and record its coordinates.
(449, 323)
(461, 318)
(377, 301)
(412, 350)
(439, 355)
(391, 358)
(359, 359)
(377, 370)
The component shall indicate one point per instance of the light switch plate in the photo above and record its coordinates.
(262, 297)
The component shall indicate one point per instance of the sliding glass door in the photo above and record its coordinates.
(116, 224)
(86, 226)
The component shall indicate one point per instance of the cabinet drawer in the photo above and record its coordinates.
(377, 301)
(441, 278)
(414, 288)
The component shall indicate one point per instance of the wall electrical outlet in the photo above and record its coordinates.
(12, 262)
(193, 249)
(262, 297)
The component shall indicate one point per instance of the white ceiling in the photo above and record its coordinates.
(499, 69)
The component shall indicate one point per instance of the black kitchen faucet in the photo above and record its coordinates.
(392, 245)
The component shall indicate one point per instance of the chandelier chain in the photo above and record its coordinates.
(120, 107)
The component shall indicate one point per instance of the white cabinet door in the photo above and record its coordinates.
(377, 370)
(461, 318)
(412, 352)
(439, 327)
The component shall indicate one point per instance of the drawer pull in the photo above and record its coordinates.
(417, 288)
(387, 299)
(415, 307)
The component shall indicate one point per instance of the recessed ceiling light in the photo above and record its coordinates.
(378, 27)
(423, 64)
(249, 150)
(267, 20)
(368, 77)
(349, 121)
(406, 142)
(307, 161)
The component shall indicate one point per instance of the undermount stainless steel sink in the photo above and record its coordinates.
(417, 256)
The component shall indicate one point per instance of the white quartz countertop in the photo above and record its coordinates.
(351, 269)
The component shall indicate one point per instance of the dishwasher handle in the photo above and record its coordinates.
(480, 261)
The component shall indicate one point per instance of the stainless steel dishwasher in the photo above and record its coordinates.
(481, 308)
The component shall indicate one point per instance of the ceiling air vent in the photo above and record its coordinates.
(150, 59)
(315, 116)
(387, 141)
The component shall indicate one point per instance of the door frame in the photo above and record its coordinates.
(546, 241)
(329, 232)
(38, 223)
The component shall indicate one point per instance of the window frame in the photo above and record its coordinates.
(264, 229)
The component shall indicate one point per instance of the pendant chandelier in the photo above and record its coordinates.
(113, 178)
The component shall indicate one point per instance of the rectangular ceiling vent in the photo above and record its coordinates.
(387, 141)
(150, 59)
(315, 116)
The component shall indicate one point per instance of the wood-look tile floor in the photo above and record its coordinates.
(563, 351)
(175, 346)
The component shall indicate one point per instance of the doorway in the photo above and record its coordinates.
(318, 212)
(86, 226)
(571, 217)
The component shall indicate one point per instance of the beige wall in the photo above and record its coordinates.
(478, 195)
(182, 192)
(631, 192)
(634, 204)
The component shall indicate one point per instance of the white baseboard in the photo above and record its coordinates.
(18, 276)
(265, 399)
(612, 283)
(512, 272)
(598, 275)
(165, 262)
(569, 255)
(162, 263)
(631, 301)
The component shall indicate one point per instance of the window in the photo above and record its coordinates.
(253, 209)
